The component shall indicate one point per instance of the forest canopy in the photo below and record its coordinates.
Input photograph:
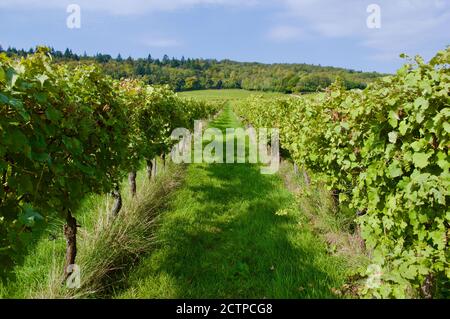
(195, 74)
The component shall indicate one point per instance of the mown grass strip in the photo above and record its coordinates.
(234, 233)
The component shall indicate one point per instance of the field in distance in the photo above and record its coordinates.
(225, 94)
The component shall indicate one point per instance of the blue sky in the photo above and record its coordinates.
(326, 32)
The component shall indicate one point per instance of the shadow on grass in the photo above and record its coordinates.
(223, 239)
(238, 247)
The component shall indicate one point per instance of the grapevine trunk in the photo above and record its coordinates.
(70, 233)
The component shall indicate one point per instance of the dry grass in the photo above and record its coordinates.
(335, 226)
(111, 247)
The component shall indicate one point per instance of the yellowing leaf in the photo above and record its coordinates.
(421, 102)
(395, 170)
(393, 137)
(393, 119)
(420, 160)
(2, 75)
(446, 126)
(42, 78)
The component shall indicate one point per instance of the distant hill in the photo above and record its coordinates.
(195, 74)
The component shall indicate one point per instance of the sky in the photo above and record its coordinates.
(344, 33)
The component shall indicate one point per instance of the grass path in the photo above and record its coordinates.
(222, 238)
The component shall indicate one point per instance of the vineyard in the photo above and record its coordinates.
(384, 153)
(71, 135)
(67, 133)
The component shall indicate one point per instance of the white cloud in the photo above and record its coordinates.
(159, 42)
(409, 26)
(406, 25)
(122, 7)
(286, 33)
(331, 18)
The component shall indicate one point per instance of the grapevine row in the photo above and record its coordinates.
(66, 133)
(384, 152)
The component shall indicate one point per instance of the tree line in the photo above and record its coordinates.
(186, 74)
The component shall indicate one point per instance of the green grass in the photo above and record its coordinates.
(227, 232)
(231, 232)
(106, 247)
(224, 94)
